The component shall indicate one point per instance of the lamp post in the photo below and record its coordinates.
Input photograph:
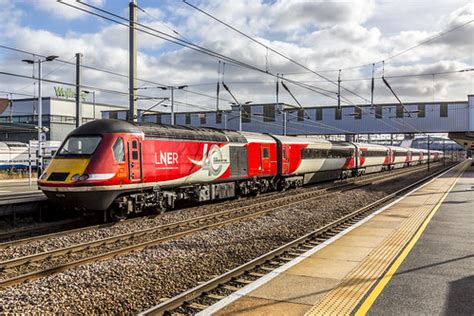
(93, 100)
(172, 98)
(40, 108)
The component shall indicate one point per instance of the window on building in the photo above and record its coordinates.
(269, 113)
(358, 112)
(338, 113)
(158, 118)
(443, 110)
(119, 150)
(218, 117)
(421, 110)
(202, 118)
(399, 111)
(113, 115)
(122, 115)
(319, 114)
(301, 115)
(246, 113)
(378, 111)
(187, 118)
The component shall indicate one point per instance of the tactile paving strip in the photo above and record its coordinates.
(346, 296)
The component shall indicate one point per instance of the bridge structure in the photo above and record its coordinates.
(454, 117)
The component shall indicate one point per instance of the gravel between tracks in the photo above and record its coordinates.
(133, 282)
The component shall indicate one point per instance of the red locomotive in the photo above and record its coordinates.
(122, 167)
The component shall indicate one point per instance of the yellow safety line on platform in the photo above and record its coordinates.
(346, 296)
(370, 300)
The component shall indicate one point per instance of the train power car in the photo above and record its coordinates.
(122, 167)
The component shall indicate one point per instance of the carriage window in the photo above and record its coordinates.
(266, 153)
(119, 150)
(134, 144)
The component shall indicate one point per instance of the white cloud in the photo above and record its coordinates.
(321, 35)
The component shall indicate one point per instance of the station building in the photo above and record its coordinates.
(18, 121)
(361, 122)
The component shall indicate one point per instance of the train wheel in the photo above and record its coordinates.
(117, 214)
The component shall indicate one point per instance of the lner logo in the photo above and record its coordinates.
(166, 158)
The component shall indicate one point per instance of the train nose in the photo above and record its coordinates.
(64, 170)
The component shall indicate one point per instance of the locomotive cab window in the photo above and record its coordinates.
(79, 146)
(119, 150)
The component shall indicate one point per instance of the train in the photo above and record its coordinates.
(18, 156)
(15, 155)
(120, 167)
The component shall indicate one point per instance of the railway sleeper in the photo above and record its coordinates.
(197, 306)
(242, 281)
(230, 287)
(215, 296)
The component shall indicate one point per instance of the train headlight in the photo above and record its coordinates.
(44, 176)
(84, 177)
(75, 177)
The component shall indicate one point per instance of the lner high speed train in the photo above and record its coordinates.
(122, 168)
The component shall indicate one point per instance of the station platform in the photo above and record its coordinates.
(8, 187)
(413, 256)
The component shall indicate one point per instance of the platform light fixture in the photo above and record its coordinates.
(40, 107)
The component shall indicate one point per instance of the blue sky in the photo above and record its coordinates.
(320, 34)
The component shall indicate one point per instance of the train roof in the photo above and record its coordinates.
(105, 126)
(300, 140)
(372, 146)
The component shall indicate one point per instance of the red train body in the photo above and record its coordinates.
(123, 168)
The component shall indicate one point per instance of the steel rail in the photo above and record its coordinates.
(273, 258)
(350, 181)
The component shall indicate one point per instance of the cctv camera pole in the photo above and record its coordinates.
(40, 119)
(172, 105)
(78, 90)
(429, 153)
(132, 62)
(444, 152)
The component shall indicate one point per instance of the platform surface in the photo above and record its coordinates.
(437, 277)
(428, 231)
(8, 187)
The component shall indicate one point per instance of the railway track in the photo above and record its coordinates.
(24, 197)
(20, 269)
(29, 235)
(12, 204)
(206, 294)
